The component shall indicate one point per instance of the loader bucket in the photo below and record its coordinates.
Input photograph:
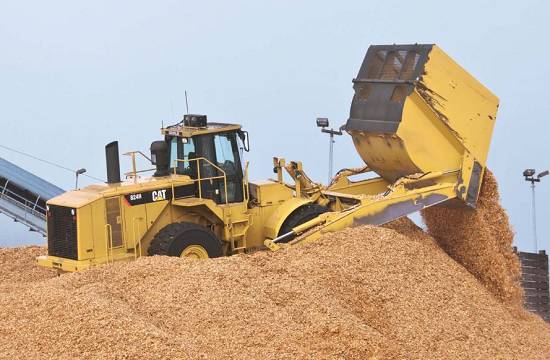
(415, 110)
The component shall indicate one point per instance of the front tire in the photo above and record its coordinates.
(186, 239)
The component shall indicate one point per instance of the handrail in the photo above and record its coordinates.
(36, 202)
(5, 187)
(134, 172)
(21, 201)
(6, 190)
(26, 209)
(134, 235)
(246, 195)
(109, 242)
(199, 179)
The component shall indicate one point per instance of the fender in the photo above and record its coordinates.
(276, 220)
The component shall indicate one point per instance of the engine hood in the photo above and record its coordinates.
(78, 198)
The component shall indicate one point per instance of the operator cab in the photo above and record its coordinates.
(204, 151)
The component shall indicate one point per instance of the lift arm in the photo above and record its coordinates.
(404, 197)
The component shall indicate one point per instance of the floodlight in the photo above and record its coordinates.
(78, 172)
(529, 172)
(322, 122)
(529, 177)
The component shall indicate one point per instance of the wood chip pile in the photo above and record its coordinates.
(363, 293)
(480, 240)
(17, 265)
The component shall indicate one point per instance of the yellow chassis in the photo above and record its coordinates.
(62, 264)
(69, 265)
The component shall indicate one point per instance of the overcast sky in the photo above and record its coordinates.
(75, 75)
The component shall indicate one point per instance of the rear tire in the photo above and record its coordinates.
(299, 216)
(186, 239)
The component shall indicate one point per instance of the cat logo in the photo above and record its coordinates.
(159, 195)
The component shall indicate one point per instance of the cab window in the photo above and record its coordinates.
(222, 151)
(189, 165)
(227, 158)
(181, 151)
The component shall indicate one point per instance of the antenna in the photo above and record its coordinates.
(186, 103)
(172, 110)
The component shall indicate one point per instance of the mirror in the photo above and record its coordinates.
(243, 135)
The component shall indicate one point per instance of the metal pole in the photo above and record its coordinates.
(330, 156)
(186, 103)
(76, 182)
(534, 216)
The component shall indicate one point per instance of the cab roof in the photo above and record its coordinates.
(188, 131)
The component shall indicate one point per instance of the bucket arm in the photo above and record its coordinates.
(414, 111)
(405, 196)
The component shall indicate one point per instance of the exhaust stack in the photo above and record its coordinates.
(161, 158)
(113, 162)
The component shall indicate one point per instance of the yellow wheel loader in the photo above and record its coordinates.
(419, 121)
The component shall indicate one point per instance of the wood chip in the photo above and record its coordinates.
(481, 240)
(363, 293)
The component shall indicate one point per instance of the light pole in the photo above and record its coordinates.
(529, 176)
(78, 172)
(323, 124)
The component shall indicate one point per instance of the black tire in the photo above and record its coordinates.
(300, 216)
(174, 238)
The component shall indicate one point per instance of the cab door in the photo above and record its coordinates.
(228, 159)
(220, 149)
(114, 222)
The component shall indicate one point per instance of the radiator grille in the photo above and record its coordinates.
(62, 232)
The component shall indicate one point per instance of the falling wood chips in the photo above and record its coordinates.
(363, 293)
(480, 240)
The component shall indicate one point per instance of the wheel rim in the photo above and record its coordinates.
(194, 252)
